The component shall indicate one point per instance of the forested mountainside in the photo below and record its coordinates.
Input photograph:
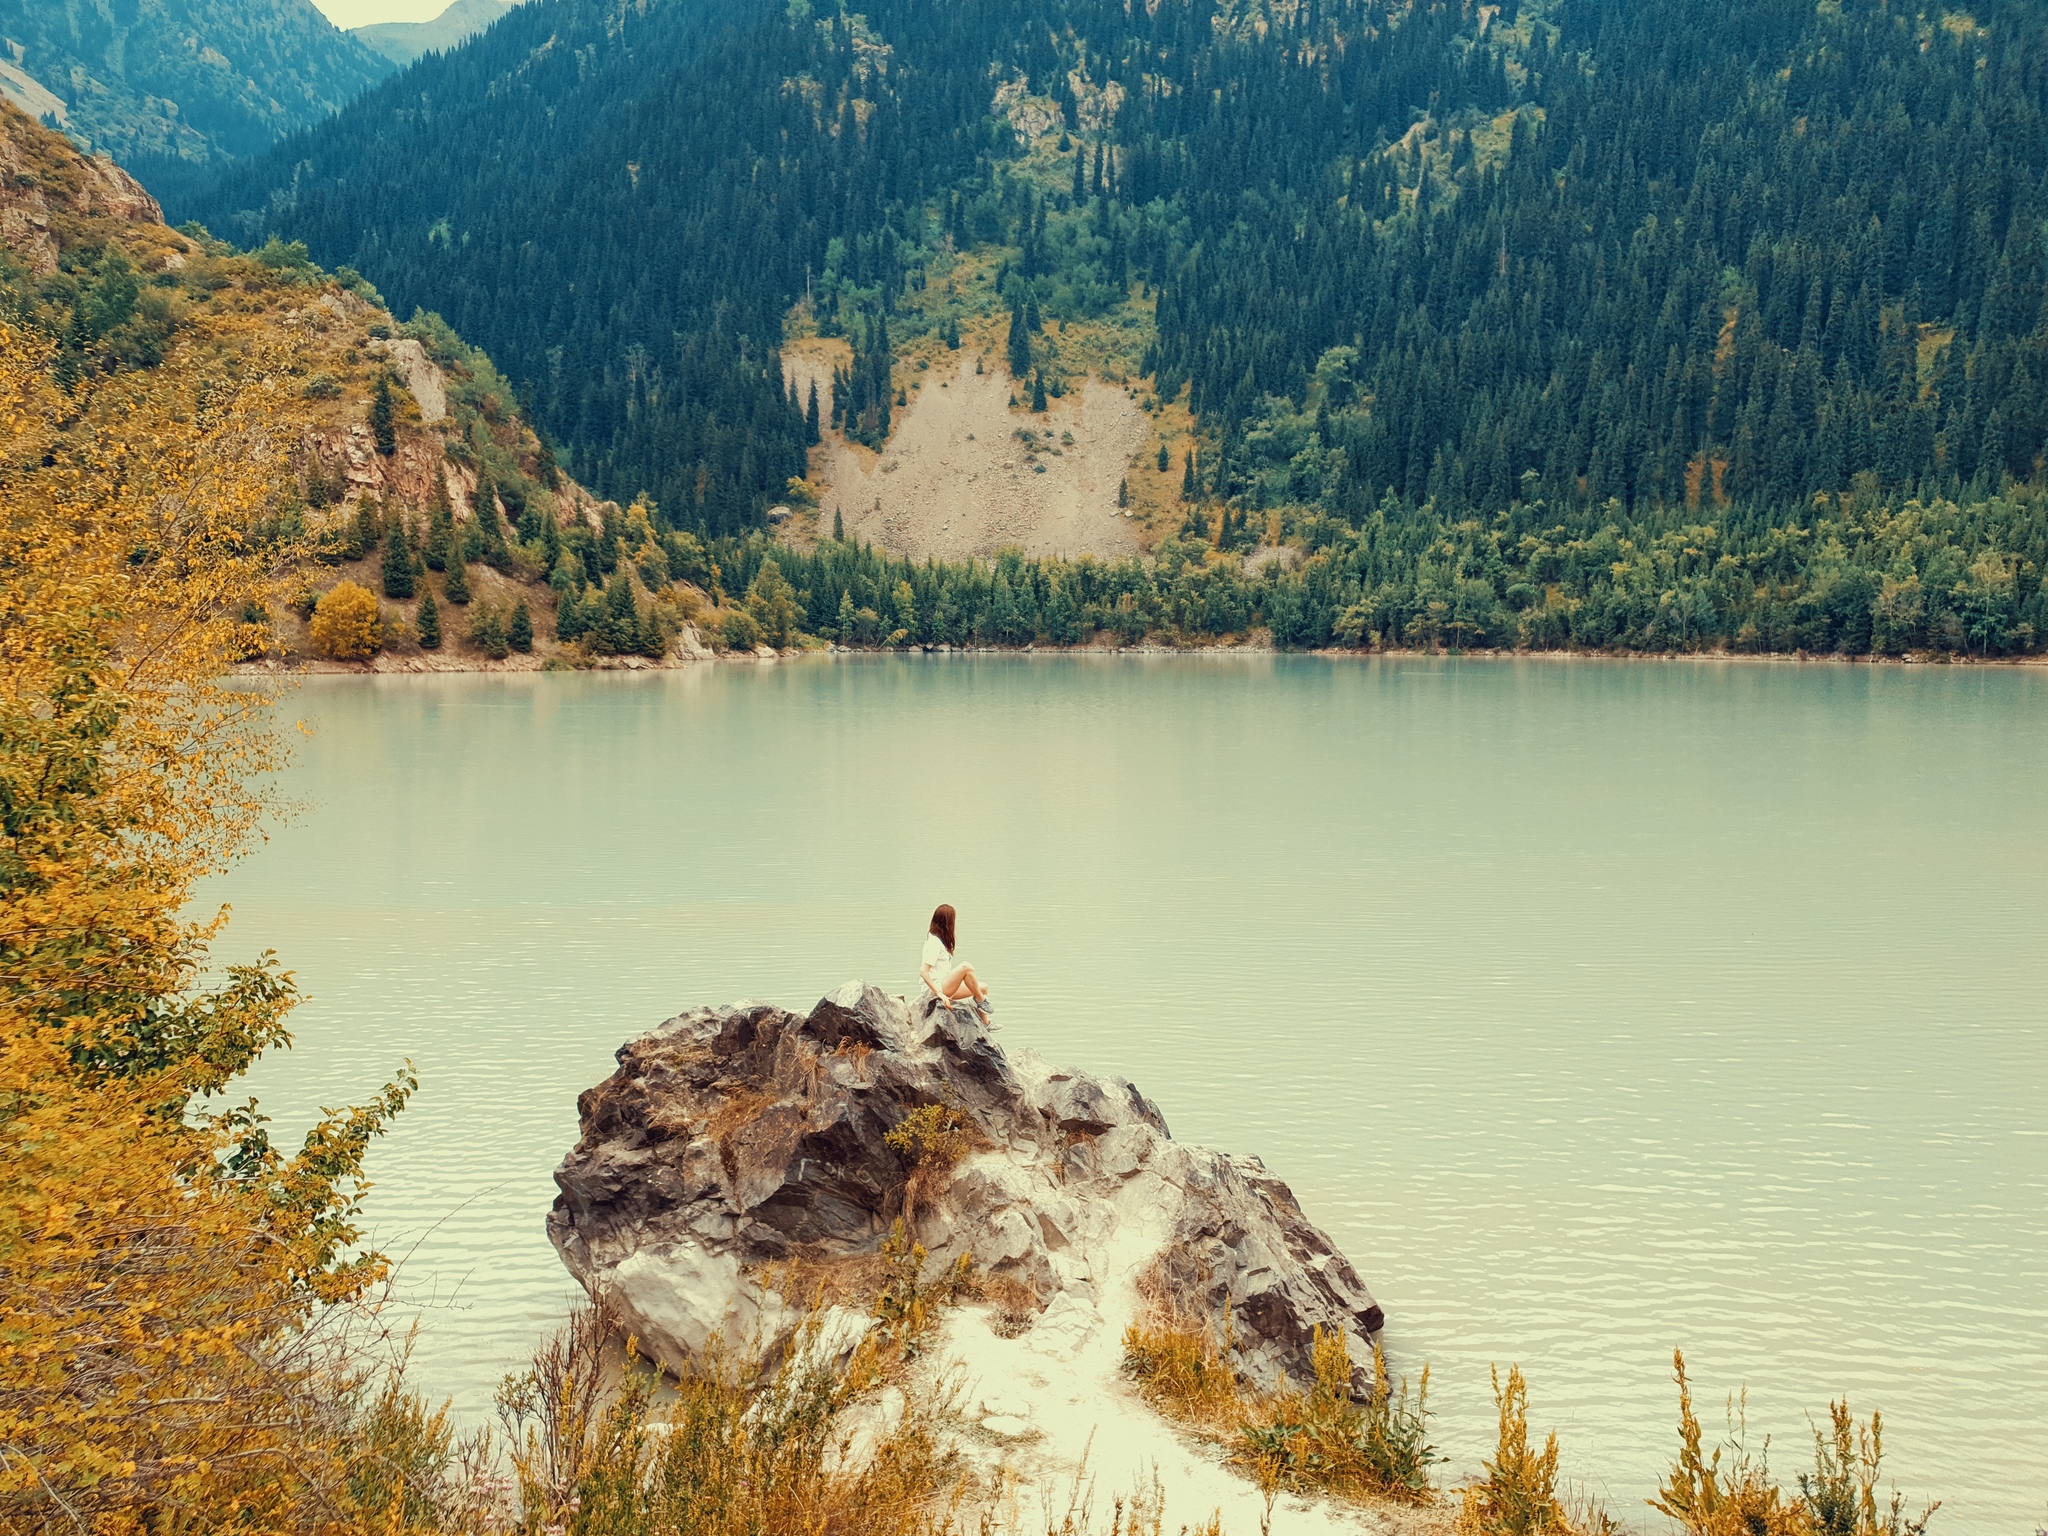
(403, 41)
(1464, 284)
(389, 476)
(167, 85)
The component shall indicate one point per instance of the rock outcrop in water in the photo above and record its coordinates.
(732, 1140)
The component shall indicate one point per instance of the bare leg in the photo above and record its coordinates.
(962, 982)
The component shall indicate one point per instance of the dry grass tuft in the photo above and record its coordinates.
(738, 1111)
(1180, 1369)
(1016, 1304)
(1318, 1441)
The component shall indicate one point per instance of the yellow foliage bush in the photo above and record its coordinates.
(346, 625)
(1728, 1492)
(1518, 1496)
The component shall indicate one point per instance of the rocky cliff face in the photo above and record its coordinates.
(732, 1140)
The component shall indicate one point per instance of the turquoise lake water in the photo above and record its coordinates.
(1594, 1008)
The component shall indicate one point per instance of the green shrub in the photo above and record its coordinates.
(738, 631)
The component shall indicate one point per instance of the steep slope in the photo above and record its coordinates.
(403, 41)
(412, 472)
(165, 85)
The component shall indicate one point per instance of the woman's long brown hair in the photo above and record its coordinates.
(942, 925)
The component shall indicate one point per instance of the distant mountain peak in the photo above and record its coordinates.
(403, 41)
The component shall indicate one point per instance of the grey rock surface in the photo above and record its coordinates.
(733, 1140)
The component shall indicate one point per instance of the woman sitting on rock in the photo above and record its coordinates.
(951, 981)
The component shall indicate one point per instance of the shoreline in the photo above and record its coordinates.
(422, 666)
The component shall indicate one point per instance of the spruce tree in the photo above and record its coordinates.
(569, 621)
(1037, 392)
(812, 434)
(619, 630)
(382, 424)
(428, 623)
(1187, 479)
(1164, 457)
(363, 532)
(486, 537)
(456, 584)
(397, 571)
(845, 621)
(1123, 492)
(519, 634)
(1019, 344)
(487, 631)
(1080, 179)
(838, 527)
(653, 644)
(440, 523)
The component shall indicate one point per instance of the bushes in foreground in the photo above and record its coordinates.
(1322, 1440)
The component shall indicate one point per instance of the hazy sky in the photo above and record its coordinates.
(356, 13)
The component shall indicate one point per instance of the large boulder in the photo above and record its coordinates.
(733, 1141)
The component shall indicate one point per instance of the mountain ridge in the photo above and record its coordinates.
(1577, 323)
(165, 86)
(404, 41)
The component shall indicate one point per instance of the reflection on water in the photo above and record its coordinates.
(1594, 1008)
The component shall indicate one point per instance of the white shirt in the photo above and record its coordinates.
(937, 958)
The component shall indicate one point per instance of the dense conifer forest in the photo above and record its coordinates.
(173, 86)
(1581, 323)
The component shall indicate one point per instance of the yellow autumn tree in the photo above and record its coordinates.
(166, 1347)
(346, 625)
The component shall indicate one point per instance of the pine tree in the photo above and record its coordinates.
(382, 424)
(1019, 344)
(519, 634)
(569, 617)
(1165, 458)
(1037, 392)
(619, 630)
(363, 531)
(487, 631)
(428, 623)
(812, 433)
(397, 570)
(1123, 492)
(440, 523)
(485, 539)
(1188, 483)
(456, 584)
(838, 527)
(1080, 178)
